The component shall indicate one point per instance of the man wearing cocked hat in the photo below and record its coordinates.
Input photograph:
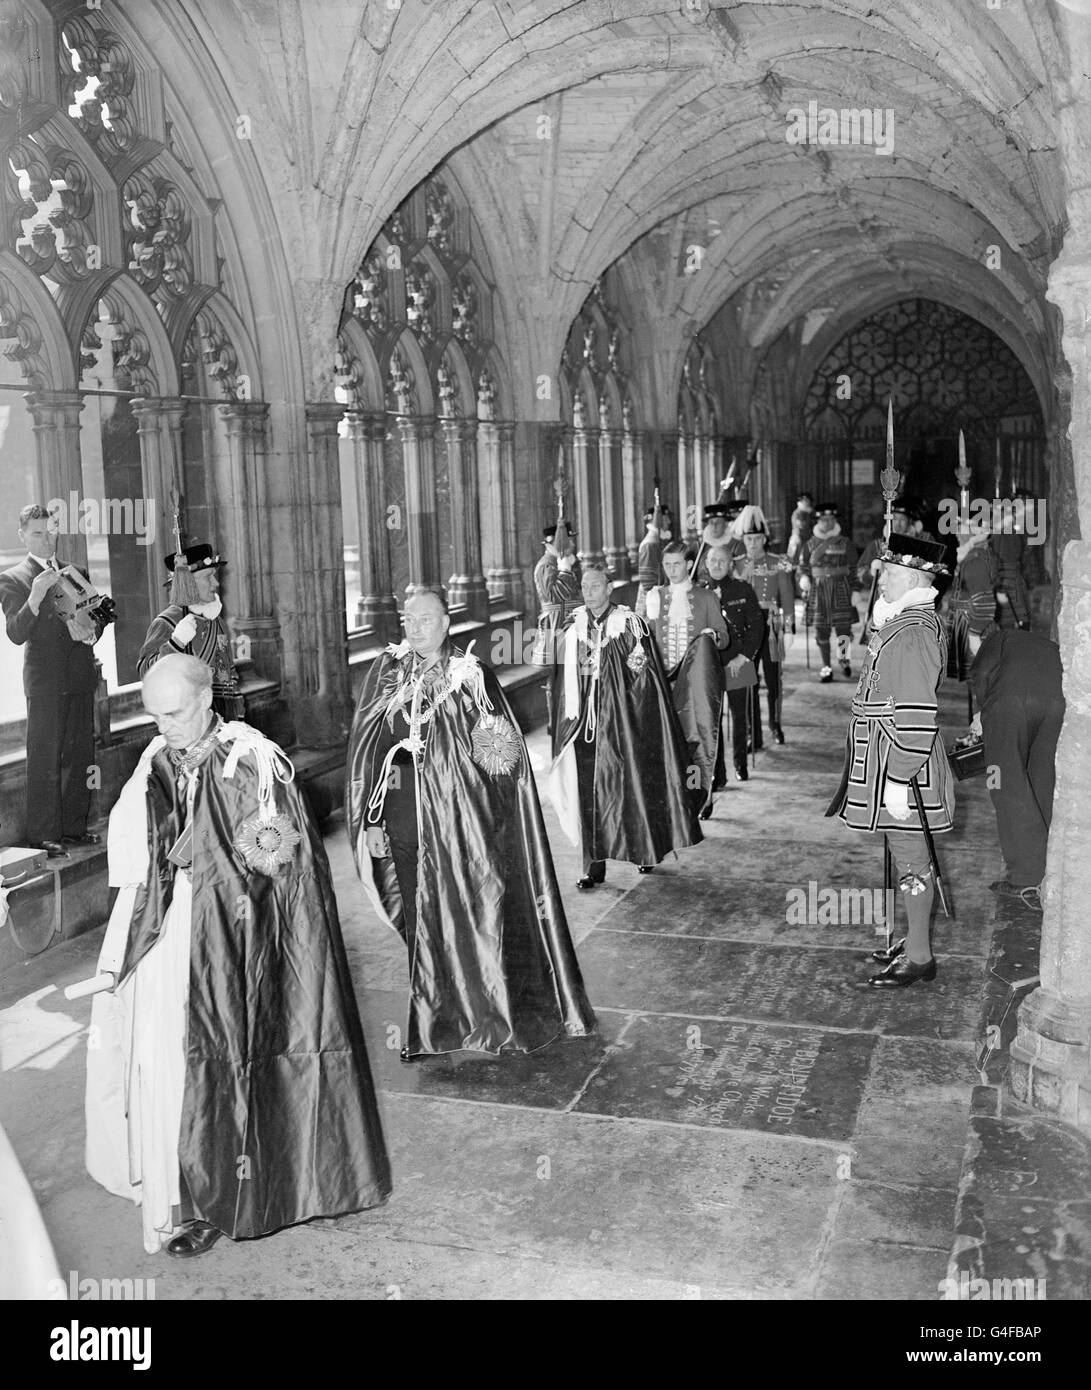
(893, 740)
(193, 624)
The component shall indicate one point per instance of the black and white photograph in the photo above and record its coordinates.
(545, 693)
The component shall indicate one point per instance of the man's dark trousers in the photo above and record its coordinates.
(594, 869)
(737, 702)
(770, 670)
(400, 816)
(60, 753)
(1021, 731)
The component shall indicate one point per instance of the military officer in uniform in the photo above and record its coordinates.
(557, 584)
(894, 740)
(197, 629)
(770, 575)
(745, 627)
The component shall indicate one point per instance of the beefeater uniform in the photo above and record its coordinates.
(894, 738)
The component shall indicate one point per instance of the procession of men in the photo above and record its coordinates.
(223, 995)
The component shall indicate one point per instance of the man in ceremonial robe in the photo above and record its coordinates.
(228, 1088)
(197, 629)
(450, 844)
(894, 740)
(688, 626)
(619, 774)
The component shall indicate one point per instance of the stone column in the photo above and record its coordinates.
(632, 505)
(1051, 1056)
(584, 454)
(617, 559)
(699, 453)
(504, 578)
(244, 521)
(56, 416)
(376, 607)
(326, 707)
(466, 587)
(159, 430)
(421, 529)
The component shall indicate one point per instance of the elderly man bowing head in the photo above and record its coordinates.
(228, 1088)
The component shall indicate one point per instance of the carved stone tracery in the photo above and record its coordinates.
(97, 80)
(156, 236)
(54, 204)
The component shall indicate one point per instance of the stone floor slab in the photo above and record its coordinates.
(549, 1079)
(759, 910)
(700, 1207)
(820, 988)
(876, 1271)
(778, 1080)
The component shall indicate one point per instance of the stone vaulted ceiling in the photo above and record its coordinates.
(667, 124)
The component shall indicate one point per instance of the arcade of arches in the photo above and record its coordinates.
(366, 284)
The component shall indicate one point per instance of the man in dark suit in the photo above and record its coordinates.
(1017, 684)
(746, 628)
(59, 680)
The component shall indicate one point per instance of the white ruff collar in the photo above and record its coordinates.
(912, 598)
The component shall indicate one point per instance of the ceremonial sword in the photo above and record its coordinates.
(919, 800)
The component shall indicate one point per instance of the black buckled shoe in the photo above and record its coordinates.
(889, 953)
(741, 773)
(903, 973)
(777, 732)
(647, 868)
(846, 670)
(586, 882)
(194, 1238)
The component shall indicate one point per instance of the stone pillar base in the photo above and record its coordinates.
(465, 591)
(257, 643)
(1050, 1067)
(380, 616)
(507, 586)
(617, 564)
